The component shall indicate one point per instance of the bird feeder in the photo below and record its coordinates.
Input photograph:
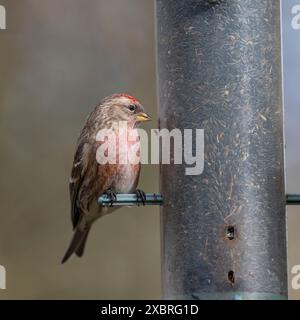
(219, 68)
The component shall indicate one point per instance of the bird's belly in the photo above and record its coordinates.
(127, 178)
(128, 173)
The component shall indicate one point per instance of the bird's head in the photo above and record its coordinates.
(123, 107)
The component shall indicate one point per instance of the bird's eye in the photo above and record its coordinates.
(132, 108)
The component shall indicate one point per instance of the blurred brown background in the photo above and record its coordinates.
(58, 59)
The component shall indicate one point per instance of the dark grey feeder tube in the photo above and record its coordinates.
(224, 231)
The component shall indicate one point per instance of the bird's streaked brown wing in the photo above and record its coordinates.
(88, 180)
(76, 179)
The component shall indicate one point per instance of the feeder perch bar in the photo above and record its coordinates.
(157, 199)
(131, 200)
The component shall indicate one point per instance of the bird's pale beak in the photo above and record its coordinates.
(143, 116)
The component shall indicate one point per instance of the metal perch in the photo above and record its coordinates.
(131, 200)
(293, 199)
(157, 199)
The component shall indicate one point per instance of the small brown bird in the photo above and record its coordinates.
(90, 179)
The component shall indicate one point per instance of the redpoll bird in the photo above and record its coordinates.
(90, 179)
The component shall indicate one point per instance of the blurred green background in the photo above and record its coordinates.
(58, 59)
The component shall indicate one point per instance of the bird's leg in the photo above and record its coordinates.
(112, 195)
(141, 196)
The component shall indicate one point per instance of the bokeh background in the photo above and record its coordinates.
(58, 58)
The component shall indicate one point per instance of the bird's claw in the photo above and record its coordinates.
(112, 195)
(141, 196)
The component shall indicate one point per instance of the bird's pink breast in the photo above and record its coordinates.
(127, 174)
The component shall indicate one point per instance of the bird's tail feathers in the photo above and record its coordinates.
(80, 250)
(77, 243)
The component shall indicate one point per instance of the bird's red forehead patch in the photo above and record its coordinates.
(131, 98)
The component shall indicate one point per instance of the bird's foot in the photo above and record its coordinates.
(112, 195)
(141, 196)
